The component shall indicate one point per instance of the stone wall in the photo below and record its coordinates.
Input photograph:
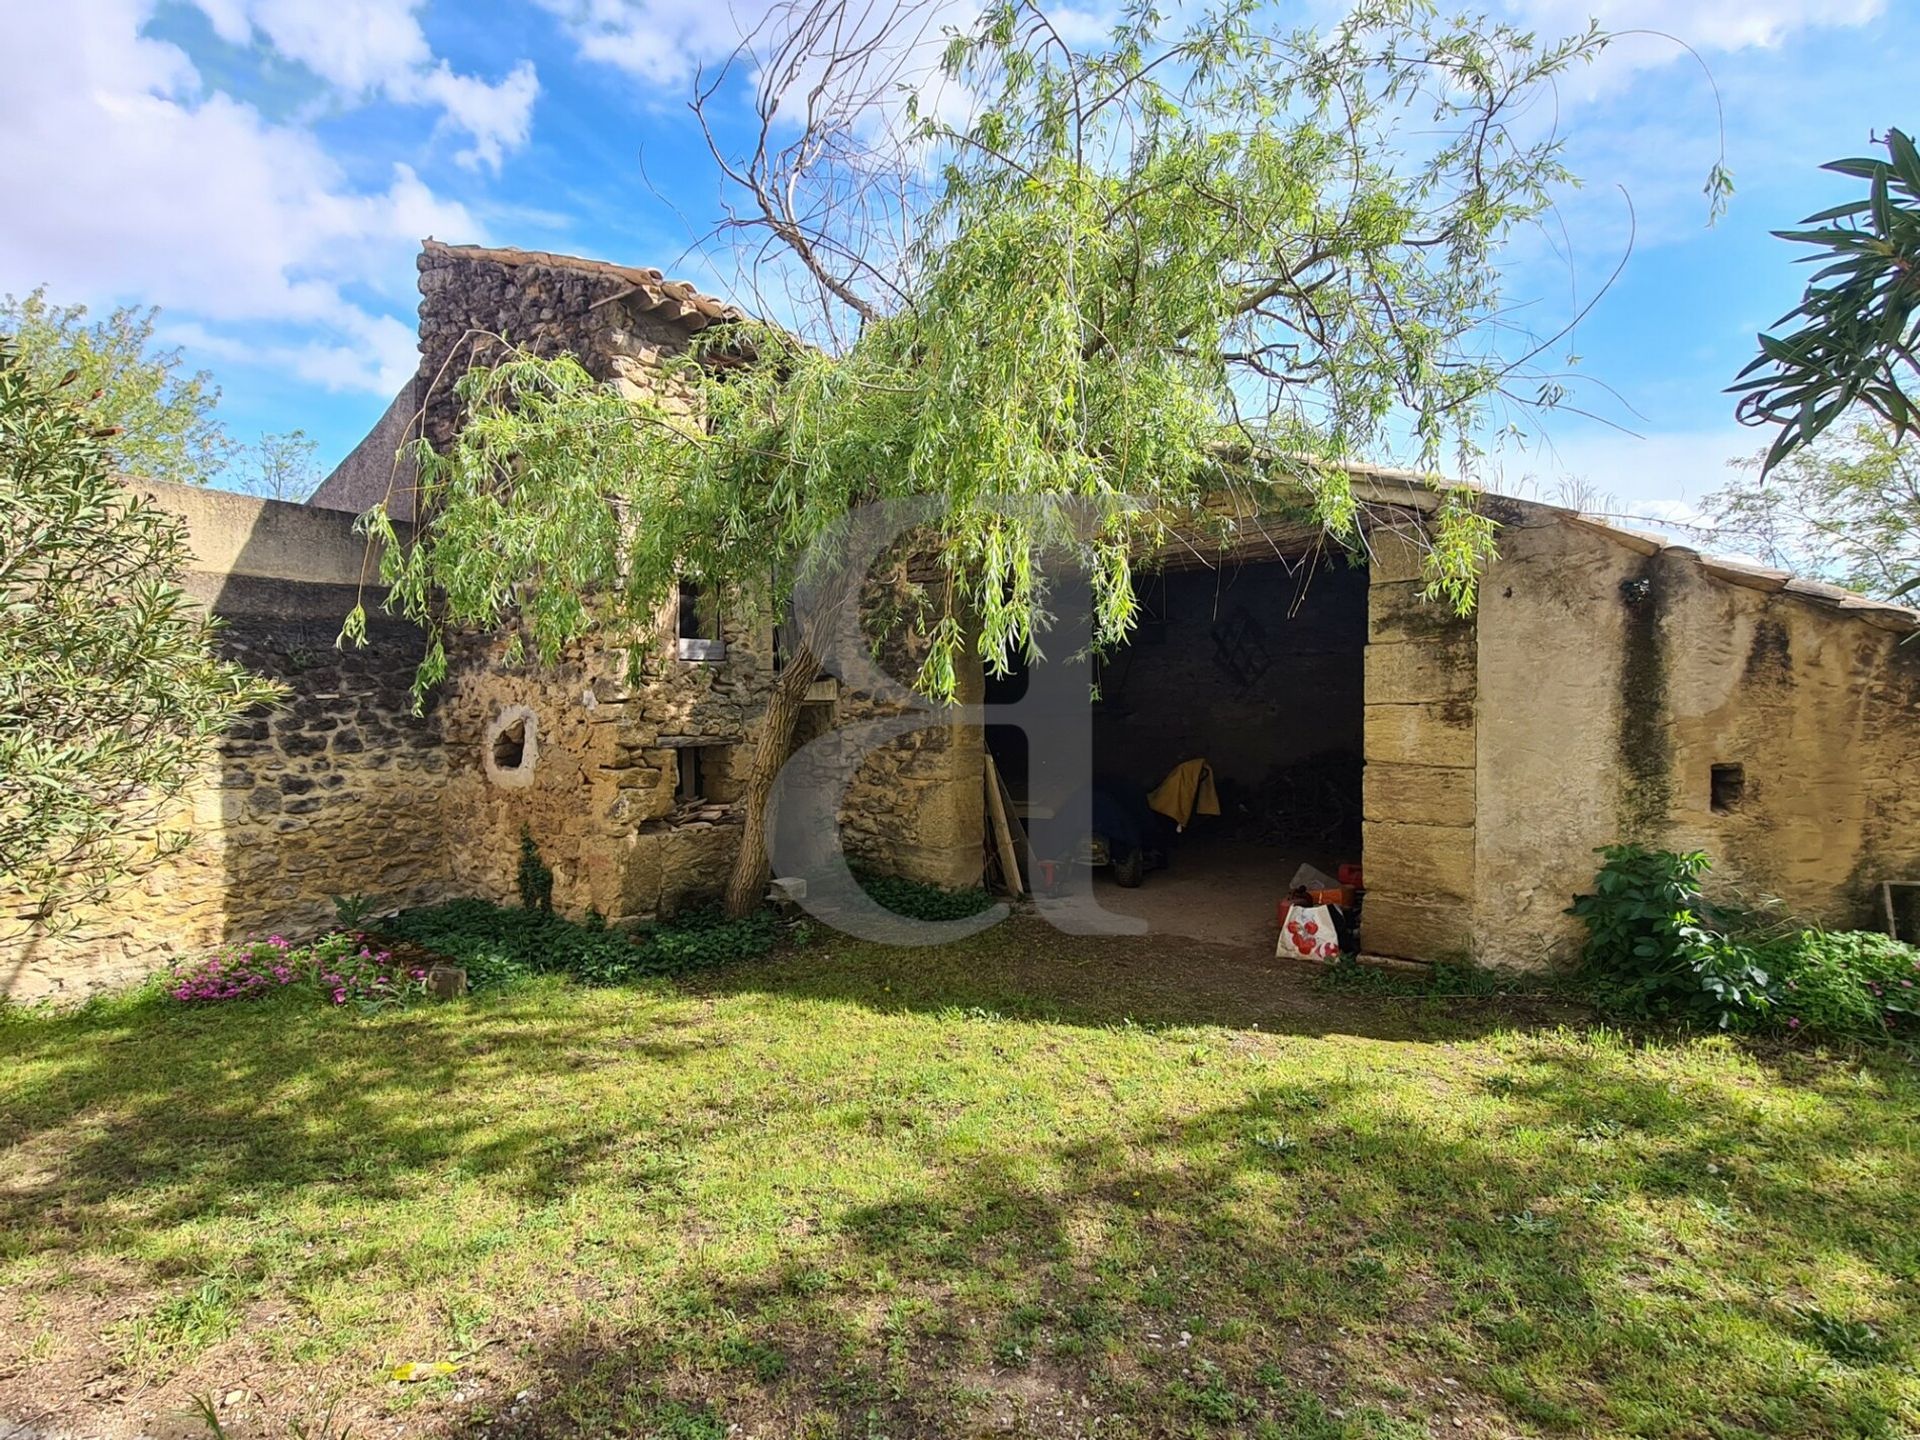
(619, 322)
(600, 797)
(335, 791)
(1616, 674)
(917, 804)
(1418, 789)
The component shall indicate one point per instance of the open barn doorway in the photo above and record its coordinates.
(1254, 669)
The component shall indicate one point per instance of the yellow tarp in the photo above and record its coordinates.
(1187, 791)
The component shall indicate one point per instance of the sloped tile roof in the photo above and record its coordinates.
(643, 289)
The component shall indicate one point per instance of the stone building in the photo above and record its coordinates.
(1609, 686)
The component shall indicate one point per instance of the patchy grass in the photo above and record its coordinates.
(1028, 1185)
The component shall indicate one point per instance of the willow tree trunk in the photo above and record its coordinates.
(748, 883)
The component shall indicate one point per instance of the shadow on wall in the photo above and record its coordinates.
(334, 791)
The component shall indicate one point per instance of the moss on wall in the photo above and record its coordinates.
(1645, 736)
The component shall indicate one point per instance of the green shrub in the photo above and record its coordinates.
(1654, 948)
(707, 938)
(499, 946)
(919, 901)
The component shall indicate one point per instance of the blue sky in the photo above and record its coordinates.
(264, 169)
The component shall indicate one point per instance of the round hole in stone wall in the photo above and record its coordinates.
(511, 747)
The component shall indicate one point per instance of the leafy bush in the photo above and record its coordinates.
(111, 695)
(707, 938)
(499, 946)
(348, 967)
(919, 901)
(1657, 949)
(1653, 949)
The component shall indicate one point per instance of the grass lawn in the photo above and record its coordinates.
(1028, 1185)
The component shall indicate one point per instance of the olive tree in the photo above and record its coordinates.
(110, 694)
(1176, 259)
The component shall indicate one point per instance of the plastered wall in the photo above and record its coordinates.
(1614, 675)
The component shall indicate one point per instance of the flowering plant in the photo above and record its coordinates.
(343, 965)
(348, 967)
(238, 971)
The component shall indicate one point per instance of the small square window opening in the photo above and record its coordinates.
(1727, 788)
(693, 774)
(698, 625)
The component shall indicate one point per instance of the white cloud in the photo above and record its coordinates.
(660, 41)
(1659, 477)
(666, 42)
(127, 179)
(363, 48)
(498, 117)
(376, 354)
(1704, 24)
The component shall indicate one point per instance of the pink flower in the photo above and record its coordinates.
(1794, 1023)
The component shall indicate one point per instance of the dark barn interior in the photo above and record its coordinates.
(1255, 668)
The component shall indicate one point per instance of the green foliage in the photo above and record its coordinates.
(918, 901)
(110, 696)
(706, 938)
(1655, 949)
(1652, 948)
(534, 879)
(342, 967)
(499, 946)
(1858, 324)
(353, 911)
(1850, 984)
(162, 413)
(1845, 508)
(1172, 263)
(1854, 1341)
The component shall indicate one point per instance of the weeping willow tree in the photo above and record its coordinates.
(1125, 260)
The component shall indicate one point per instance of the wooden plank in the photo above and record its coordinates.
(1017, 823)
(1002, 835)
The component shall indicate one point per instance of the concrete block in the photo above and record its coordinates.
(1395, 611)
(1407, 928)
(1394, 556)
